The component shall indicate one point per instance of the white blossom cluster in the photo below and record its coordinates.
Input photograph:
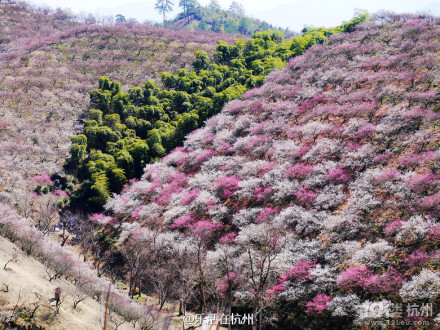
(422, 286)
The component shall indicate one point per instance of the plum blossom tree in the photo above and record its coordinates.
(187, 272)
(47, 212)
(223, 261)
(421, 286)
(59, 263)
(261, 246)
(137, 255)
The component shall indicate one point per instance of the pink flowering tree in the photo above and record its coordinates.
(319, 304)
(227, 185)
(223, 266)
(299, 171)
(338, 175)
(261, 246)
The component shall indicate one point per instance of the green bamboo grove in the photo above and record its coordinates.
(127, 130)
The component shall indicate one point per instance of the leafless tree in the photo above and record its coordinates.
(77, 293)
(46, 212)
(14, 258)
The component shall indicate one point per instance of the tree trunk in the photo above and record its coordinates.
(254, 318)
(64, 240)
(202, 281)
(180, 308)
(130, 286)
(229, 306)
(202, 294)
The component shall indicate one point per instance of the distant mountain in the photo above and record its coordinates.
(207, 20)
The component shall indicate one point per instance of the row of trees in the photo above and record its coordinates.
(213, 18)
(85, 283)
(190, 7)
(178, 268)
(130, 129)
(65, 16)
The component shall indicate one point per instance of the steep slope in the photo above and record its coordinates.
(314, 200)
(45, 78)
(130, 129)
(33, 265)
(22, 24)
(25, 286)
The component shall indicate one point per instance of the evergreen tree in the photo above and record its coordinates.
(236, 8)
(120, 18)
(245, 26)
(214, 5)
(188, 6)
(163, 7)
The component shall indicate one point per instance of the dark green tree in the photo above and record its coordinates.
(245, 26)
(117, 180)
(99, 192)
(77, 155)
(187, 123)
(96, 115)
(202, 61)
(188, 7)
(120, 18)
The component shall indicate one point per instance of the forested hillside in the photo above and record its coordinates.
(213, 18)
(311, 199)
(130, 129)
(45, 78)
(154, 174)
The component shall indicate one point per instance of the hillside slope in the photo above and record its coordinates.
(45, 78)
(20, 24)
(34, 265)
(218, 20)
(28, 287)
(314, 200)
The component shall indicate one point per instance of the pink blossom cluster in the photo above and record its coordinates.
(227, 185)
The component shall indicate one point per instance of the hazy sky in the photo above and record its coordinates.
(91, 4)
(285, 13)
